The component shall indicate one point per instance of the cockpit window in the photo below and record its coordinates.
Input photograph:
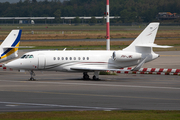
(23, 56)
(27, 56)
(31, 56)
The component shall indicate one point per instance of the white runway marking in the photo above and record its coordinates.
(54, 105)
(102, 85)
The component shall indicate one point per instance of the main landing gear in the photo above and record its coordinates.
(32, 75)
(95, 76)
(85, 76)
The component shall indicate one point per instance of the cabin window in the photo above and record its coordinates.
(87, 58)
(79, 58)
(83, 58)
(58, 58)
(62, 58)
(66, 58)
(74, 58)
(70, 58)
(54, 58)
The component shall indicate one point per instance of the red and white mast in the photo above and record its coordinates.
(107, 26)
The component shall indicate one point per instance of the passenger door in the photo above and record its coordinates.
(41, 61)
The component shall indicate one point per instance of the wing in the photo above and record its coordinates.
(95, 69)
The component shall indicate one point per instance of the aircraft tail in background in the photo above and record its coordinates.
(9, 47)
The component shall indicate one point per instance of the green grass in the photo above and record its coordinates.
(92, 115)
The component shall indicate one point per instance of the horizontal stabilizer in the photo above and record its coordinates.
(9, 47)
(18, 47)
(153, 45)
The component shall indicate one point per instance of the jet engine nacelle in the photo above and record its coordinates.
(125, 56)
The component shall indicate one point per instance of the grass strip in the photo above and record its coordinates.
(93, 115)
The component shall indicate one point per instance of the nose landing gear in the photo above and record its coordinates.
(32, 75)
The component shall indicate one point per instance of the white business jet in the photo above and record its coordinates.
(137, 53)
(9, 47)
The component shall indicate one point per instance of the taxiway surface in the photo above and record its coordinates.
(58, 91)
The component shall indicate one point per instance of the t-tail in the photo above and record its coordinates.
(9, 47)
(144, 43)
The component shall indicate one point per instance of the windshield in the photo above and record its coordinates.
(27, 56)
(23, 56)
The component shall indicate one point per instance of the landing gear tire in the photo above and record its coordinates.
(85, 76)
(96, 75)
(32, 79)
(95, 78)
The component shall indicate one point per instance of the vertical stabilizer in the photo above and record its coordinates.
(12, 39)
(9, 47)
(144, 43)
(146, 38)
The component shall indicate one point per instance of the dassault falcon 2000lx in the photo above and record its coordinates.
(9, 47)
(137, 53)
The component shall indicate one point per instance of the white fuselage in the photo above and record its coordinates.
(65, 60)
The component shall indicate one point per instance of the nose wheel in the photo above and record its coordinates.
(32, 76)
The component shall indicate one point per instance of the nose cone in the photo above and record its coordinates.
(13, 64)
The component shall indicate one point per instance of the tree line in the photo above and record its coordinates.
(129, 10)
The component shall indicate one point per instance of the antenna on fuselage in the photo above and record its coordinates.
(107, 26)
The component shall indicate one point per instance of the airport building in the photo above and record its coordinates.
(25, 20)
(49, 20)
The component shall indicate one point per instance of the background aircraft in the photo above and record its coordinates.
(137, 53)
(9, 47)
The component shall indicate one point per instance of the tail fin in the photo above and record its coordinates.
(145, 41)
(9, 46)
